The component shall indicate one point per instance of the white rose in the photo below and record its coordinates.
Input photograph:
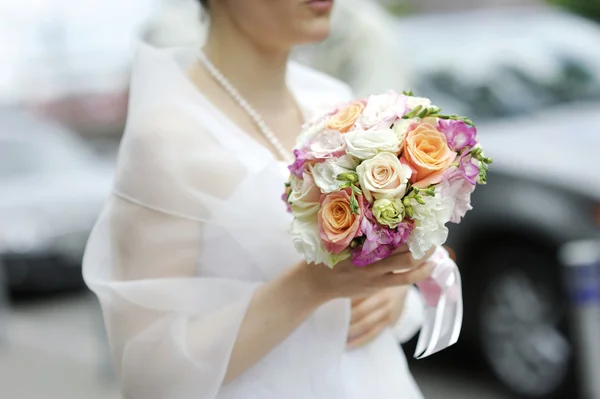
(382, 110)
(306, 240)
(413, 102)
(305, 196)
(366, 144)
(305, 236)
(327, 144)
(383, 176)
(325, 173)
(400, 128)
(430, 223)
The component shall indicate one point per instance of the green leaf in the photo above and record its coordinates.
(408, 93)
(288, 184)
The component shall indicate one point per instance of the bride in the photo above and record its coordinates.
(202, 291)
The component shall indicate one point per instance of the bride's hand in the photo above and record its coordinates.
(347, 280)
(373, 314)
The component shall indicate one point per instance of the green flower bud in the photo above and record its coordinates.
(348, 176)
(389, 212)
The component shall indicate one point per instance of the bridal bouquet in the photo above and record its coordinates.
(377, 173)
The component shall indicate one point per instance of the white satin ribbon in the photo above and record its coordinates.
(442, 293)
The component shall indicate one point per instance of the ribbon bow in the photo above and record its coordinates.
(442, 293)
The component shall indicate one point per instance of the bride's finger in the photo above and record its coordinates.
(410, 277)
(400, 262)
(366, 307)
(368, 336)
(358, 300)
(368, 323)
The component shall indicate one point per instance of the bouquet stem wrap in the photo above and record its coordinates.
(442, 293)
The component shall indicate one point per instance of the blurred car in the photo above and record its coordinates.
(530, 79)
(52, 188)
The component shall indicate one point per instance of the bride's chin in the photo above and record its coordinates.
(314, 35)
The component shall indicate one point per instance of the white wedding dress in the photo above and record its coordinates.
(195, 225)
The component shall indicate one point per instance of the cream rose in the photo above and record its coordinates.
(305, 197)
(383, 176)
(366, 144)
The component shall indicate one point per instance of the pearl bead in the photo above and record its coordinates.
(262, 126)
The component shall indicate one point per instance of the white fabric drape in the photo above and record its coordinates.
(195, 225)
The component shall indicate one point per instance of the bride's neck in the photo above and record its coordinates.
(258, 73)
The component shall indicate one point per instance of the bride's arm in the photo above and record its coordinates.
(276, 309)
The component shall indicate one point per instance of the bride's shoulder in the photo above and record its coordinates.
(318, 84)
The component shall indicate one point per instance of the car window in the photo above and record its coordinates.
(509, 90)
(20, 157)
(16, 159)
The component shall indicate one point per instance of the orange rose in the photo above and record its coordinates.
(345, 118)
(338, 225)
(427, 151)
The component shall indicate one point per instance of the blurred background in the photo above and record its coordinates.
(526, 71)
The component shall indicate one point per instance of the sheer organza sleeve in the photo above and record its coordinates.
(171, 322)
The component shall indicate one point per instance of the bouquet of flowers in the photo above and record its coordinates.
(378, 173)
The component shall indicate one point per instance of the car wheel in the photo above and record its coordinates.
(521, 317)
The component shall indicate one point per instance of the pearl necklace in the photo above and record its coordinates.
(258, 120)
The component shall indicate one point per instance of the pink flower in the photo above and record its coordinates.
(460, 189)
(328, 144)
(284, 198)
(380, 241)
(469, 170)
(338, 225)
(301, 158)
(382, 110)
(458, 134)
